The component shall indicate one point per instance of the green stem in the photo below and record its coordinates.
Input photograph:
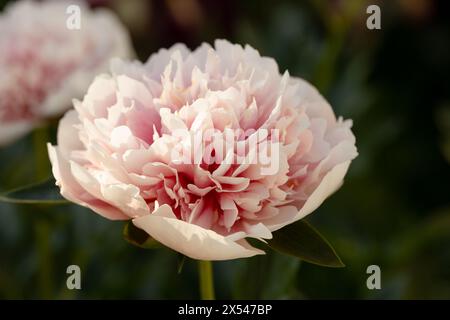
(206, 280)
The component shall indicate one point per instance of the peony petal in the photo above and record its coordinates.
(191, 240)
(72, 191)
(330, 183)
(68, 137)
(125, 197)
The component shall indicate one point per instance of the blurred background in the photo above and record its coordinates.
(393, 210)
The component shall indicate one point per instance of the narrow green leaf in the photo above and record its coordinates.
(139, 237)
(301, 240)
(44, 192)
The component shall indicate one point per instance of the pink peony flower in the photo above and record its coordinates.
(128, 151)
(44, 64)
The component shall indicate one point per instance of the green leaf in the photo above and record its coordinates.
(44, 192)
(301, 240)
(139, 237)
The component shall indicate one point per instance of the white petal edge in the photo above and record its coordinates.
(331, 182)
(191, 240)
(72, 191)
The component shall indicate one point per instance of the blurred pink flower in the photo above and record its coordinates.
(44, 64)
(115, 151)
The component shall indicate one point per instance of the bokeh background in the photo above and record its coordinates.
(393, 210)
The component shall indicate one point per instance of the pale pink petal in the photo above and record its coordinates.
(191, 240)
